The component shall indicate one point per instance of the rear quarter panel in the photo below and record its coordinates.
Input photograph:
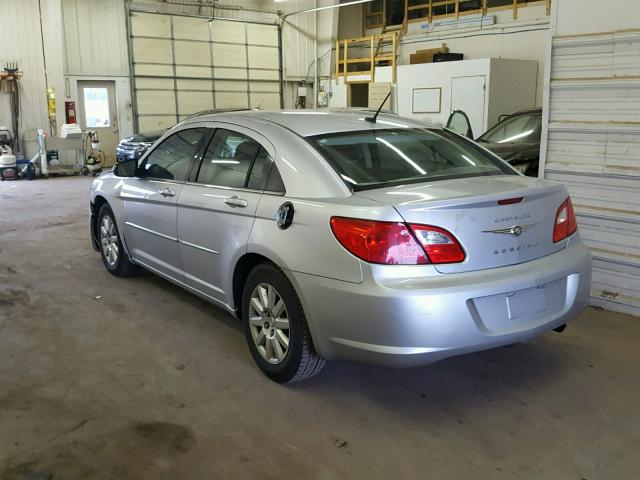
(308, 245)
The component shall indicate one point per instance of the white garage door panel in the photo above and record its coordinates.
(593, 146)
(154, 70)
(612, 190)
(202, 85)
(203, 65)
(229, 55)
(265, 75)
(154, 83)
(191, 28)
(151, 25)
(262, 35)
(597, 57)
(232, 100)
(156, 102)
(615, 282)
(228, 32)
(263, 57)
(152, 50)
(192, 53)
(230, 86)
(152, 123)
(265, 101)
(230, 73)
(272, 87)
(575, 102)
(192, 102)
(199, 72)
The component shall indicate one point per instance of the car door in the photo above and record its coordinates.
(150, 202)
(216, 210)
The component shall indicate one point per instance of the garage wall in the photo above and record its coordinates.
(593, 139)
(95, 37)
(21, 24)
(526, 38)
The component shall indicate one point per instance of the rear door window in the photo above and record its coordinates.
(228, 159)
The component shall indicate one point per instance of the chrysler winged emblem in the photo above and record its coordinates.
(515, 230)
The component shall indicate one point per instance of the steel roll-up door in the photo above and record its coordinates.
(181, 65)
(593, 147)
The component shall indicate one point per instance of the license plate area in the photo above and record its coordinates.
(518, 310)
(525, 302)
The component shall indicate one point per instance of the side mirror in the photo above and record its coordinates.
(128, 168)
(459, 123)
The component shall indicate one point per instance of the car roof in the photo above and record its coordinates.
(307, 123)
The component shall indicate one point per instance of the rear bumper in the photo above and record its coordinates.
(411, 316)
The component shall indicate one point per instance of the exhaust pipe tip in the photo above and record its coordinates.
(561, 328)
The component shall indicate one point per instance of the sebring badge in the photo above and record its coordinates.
(515, 230)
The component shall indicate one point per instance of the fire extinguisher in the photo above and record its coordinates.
(70, 111)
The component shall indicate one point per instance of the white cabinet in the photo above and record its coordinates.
(484, 88)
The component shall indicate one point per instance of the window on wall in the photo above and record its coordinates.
(96, 107)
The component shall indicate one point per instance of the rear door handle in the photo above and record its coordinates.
(167, 192)
(236, 202)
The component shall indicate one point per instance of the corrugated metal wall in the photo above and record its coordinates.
(95, 37)
(593, 147)
(22, 43)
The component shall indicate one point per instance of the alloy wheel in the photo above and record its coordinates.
(269, 323)
(109, 240)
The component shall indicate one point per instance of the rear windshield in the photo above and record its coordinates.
(376, 158)
(516, 129)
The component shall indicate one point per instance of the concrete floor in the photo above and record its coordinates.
(103, 378)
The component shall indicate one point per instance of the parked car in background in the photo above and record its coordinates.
(332, 235)
(515, 139)
(132, 148)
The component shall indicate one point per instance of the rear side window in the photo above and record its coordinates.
(377, 158)
(228, 159)
(264, 174)
(170, 159)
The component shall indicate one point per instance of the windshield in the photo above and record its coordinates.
(376, 158)
(516, 129)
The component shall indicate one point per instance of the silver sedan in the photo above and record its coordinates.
(336, 235)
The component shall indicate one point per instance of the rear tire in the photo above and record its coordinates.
(114, 258)
(276, 328)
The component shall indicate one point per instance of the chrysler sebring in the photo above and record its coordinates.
(333, 235)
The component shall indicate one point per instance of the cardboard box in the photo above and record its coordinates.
(426, 55)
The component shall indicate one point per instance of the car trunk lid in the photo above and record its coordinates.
(498, 220)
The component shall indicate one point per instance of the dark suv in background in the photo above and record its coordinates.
(134, 147)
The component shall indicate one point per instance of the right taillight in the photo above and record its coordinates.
(395, 243)
(566, 223)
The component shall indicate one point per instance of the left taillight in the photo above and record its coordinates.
(395, 243)
(565, 224)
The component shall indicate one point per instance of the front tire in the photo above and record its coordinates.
(112, 252)
(276, 328)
